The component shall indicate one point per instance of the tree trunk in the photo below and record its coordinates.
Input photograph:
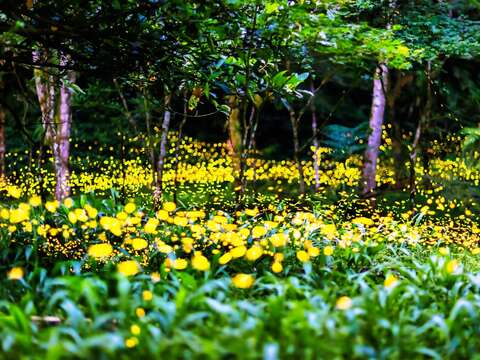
(167, 114)
(413, 161)
(422, 123)
(177, 146)
(2, 142)
(399, 150)
(61, 145)
(380, 83)
(248, 138)
(235, 139)
(252, 144)
(296, 149)
(400, 155)
(316, 164)
(128, 114)
(149, 139)
(45, 86)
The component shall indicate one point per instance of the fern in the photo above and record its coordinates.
(471, 145)
(343, 140)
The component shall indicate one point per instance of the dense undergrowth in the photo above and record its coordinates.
(103, 275)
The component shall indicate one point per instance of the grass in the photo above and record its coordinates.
(372, 298)
(318, 277)
(428, 310)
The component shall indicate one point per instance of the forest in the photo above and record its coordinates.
(239, 179)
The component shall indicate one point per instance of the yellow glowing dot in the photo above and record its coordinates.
(68, 203)
(169, 206)
(328, 250)
(303, 256)
(16, 273)
(155, 276)
(35, 201)
(128, 268)
(243, 281)
(453, 266)
(277, 267)
(131, 342)
(130, 208)
(200, 263)
(344, 303)
(443, 251)
(147, 295)
(100, 250)
(254, 253)
(225, 258)
(135, 330)
(390, 281)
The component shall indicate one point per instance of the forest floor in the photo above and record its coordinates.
(103, 275)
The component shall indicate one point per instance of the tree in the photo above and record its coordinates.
(437, 32)
(54, 91)
(380, 84)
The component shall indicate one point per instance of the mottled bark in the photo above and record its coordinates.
(2, 142)
(167, 114)
(56, 120)
(61, 145)
(315, 138)
(235, 138)
(45, 87)
(380, 83)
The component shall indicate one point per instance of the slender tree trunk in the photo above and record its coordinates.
(61, 145)
(149, 140)
(56, 124)
(399, 150)
(296, 149)
(235, 139)
(128, 114)
(177, 146)
(400, 155)
(248, 137)
(315, 138)
(380, 83)
(413, 161)
(45, 86)
(422, 123)
(2, 142)
(158, 192)
(253, 141)
(122, 164)
(40, 161)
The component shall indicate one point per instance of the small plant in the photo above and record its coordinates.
(343, 140)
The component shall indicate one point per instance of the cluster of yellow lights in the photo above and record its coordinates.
(129, 235)
(208, 165)
(196, 239)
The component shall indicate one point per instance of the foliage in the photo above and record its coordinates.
(378, 298)
(96, 276)
(206, 273)
(471, 144)
(344, 140)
